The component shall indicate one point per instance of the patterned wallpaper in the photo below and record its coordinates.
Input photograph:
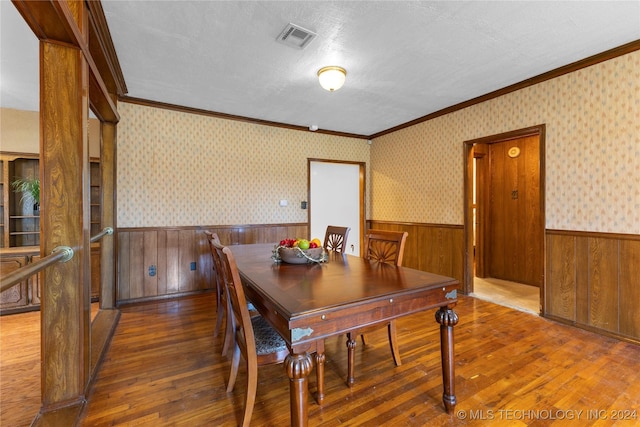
(199, 170)
(592, 168)
(181, 169)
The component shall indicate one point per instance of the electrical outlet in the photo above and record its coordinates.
(152, 270)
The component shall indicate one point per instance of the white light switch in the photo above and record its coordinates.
(283, 203)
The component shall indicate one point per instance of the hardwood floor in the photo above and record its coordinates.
(164, 368)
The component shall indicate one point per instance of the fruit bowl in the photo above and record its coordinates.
(299, 256)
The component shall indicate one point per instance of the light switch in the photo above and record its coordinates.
(283, 203)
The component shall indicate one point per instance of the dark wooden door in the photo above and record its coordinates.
(514, 221)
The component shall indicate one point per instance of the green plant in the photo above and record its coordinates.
(29, 187)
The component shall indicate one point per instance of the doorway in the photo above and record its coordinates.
(504, 217)
(336, 197)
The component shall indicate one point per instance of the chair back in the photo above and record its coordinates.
(335, 238)
(211, 238)
(238, 302)
(385, 246)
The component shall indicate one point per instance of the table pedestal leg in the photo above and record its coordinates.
(447, 318)
(298, 366)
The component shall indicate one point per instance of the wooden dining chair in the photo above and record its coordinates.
(335, 238)
(221, 308)
(387, 247)
(255, 340)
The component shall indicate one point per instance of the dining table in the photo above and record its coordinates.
(307, 303)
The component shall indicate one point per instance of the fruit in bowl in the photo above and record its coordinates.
(299, 251)
(303, 244)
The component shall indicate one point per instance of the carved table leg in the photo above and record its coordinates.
(447, 318)
(298, 366)
(351, 359)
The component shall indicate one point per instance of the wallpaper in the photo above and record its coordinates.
(184, 169)
(181, 169)
(592, 161)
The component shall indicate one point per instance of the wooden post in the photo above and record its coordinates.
(64, 173)
(108, 244)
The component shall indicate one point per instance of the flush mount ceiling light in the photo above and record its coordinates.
(332, 78)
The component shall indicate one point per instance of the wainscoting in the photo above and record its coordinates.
(593, 281)
(436, 248)
(157, 263)
(591, 278)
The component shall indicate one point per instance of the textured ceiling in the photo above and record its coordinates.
(404, 60)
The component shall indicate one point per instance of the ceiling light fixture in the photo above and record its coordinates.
(332, 78)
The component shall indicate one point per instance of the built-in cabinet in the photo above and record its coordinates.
(20, 219)
(20, 230)
(95, 197)
(25, 295)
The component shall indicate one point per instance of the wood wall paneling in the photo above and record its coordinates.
(581, 278)
(561, 277)
(603, 283)
(592, 281)
(171, 261)
(172, 251)
(436, 248)
(136, 263)
(630, 288)
(161, 263)
(150, 258)
(122, 293)
(591, 277)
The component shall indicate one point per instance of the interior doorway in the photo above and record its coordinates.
(336, 197)
(504, 217)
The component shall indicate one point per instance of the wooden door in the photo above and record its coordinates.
(514, 238)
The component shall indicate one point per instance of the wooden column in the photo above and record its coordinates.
(64, 173)
(108, 253)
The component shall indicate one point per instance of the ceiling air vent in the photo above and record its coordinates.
(296, 36)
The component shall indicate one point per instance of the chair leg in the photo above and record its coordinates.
(351, 359)
(252, 386)
(393, 342)
(320, 358)
(235, 363)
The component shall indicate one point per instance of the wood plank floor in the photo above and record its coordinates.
(164, 369)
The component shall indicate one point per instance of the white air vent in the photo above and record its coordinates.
(296, 36)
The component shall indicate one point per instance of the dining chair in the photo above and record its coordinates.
(335, 238)
(221, 305)
(385, 247)
(255, 340)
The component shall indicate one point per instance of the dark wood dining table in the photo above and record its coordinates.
(307, 303)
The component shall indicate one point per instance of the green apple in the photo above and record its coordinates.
(303, 244)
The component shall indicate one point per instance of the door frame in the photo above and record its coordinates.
(468, 274)
(362, 185)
